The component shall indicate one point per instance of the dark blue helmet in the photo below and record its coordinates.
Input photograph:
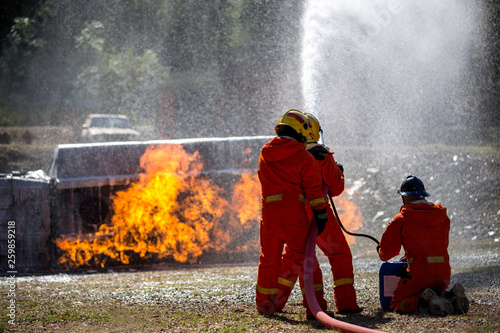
(413, 187)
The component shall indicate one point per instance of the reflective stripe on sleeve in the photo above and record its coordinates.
(317, 201)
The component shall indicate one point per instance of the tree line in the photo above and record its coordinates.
(188, 68)
(184, 68)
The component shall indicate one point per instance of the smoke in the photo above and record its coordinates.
(393, 71)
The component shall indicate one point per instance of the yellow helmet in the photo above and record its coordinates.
(296, 120)
(316, 128)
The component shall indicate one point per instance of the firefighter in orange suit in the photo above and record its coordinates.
(289, 177)
(332, 241)
(422, 228)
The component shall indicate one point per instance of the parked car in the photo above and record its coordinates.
(107, 127)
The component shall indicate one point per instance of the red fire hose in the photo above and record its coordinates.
(322, 317)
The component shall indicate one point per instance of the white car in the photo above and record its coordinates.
(107, 127)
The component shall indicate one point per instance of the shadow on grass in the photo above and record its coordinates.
(362, 320)
(477, 277)
(367, 321)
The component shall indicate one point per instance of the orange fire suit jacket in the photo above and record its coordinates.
(286, 169)
(332, 241)
(332, 177)
(289, 177)
(422, 228)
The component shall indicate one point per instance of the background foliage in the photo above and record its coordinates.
(185, 68)
(163, 63)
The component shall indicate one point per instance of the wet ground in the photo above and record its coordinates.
(466, 180)
(220, 298)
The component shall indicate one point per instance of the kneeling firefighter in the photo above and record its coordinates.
(289, 177)
(422, 228)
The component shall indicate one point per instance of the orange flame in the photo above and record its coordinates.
(349, 214)
(246, 199)
(173, 212)
(170, 211)
(245, 221)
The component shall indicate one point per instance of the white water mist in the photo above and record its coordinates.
(391, 71)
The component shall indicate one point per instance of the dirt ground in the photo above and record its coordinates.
(220, 298)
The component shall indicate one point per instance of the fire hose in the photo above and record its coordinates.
(320, 315)
(335, 210)
(345, 230)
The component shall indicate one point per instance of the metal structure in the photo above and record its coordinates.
(76, 195)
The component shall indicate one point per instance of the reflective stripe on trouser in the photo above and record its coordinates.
(265, 299)
(334, 245)
(267, 276)
(288, 278)
(281, 222)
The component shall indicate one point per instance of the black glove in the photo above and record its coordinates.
(402, 272)
(321, 217)
(341, 167)
(318, 152)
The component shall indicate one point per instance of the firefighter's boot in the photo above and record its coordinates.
(457, 297)
(436, 305)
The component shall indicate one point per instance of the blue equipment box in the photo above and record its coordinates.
(388, 281)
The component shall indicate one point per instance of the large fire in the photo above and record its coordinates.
(172, 211)
(349, 214)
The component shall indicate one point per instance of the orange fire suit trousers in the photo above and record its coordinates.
(283, 222)
(334, 245)
(288, 278)
(430, 275)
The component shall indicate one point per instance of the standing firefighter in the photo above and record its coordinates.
(422, 228)
(332, 241)
(289, 177)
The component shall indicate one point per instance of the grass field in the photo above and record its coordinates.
(197, 298)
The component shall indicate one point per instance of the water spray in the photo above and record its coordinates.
(320, 315)
(321, 141)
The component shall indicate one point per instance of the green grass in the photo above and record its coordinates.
(176, 301)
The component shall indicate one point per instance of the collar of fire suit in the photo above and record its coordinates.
(287, 137)
(315, 144)
(421, 201)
